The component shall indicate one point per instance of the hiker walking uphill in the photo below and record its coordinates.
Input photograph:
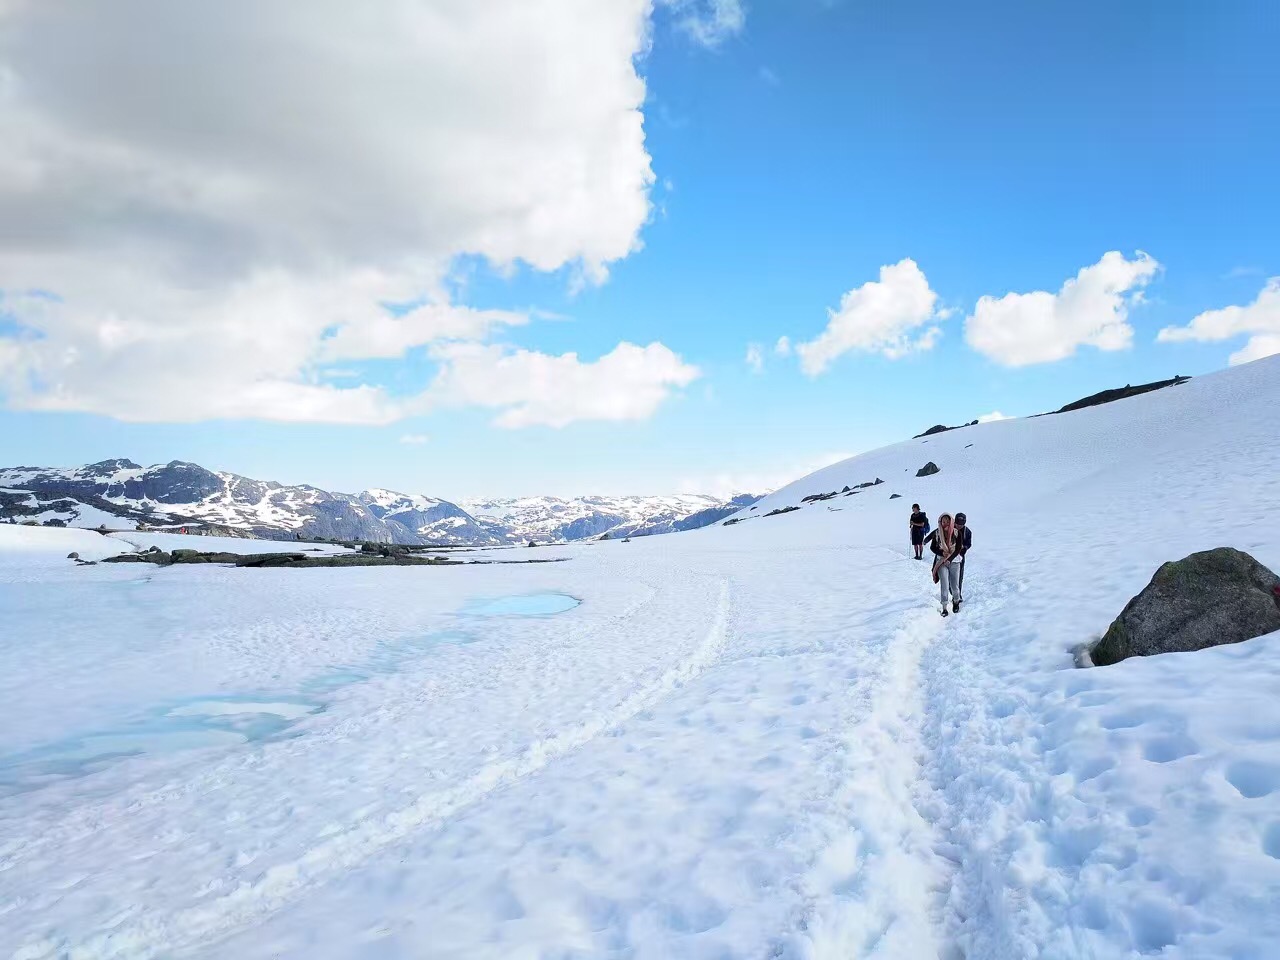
(943, 544)
(964, 540)
(919, 529)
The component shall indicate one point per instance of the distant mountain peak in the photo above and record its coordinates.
(183, 493)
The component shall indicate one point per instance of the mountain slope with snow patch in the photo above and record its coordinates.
(122, 494)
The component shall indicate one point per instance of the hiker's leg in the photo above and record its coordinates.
(944, 577)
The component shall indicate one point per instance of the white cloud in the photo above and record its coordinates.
(878, 317)
(1091, 309)
(414, 439)
(783, 347)
(1260, 320)
(708, 22)
(992, 417)
(223, 194)
(628, 383)
(381, 335)
(755, 358)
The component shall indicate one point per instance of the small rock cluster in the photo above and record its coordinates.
(370, 555)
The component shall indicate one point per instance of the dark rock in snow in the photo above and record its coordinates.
(158, 557)
(942, 428)
(928, 470)
(815, 497)
(895, 496)
(199, 556)
(1120, 393)
(780, 510)
(846, 489)
(73, 556)
(1209, 598)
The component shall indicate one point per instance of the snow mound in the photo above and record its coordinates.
(21, 544)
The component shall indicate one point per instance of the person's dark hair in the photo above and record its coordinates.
(915, 506)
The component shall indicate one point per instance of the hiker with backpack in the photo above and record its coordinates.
(919, 529)
(945, 546)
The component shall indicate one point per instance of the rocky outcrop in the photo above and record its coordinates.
(1209, 598)
(928, 470)
(781, 510)
(943, 428)
(1120, 393)
(379, 556)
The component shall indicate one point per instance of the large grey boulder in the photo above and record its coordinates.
(928, 470)
(1209, 598)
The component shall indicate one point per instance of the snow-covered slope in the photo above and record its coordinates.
(755, 740)
(27, 507)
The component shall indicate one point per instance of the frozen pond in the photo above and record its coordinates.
(231, 720)
(189, 725)
(529, 605)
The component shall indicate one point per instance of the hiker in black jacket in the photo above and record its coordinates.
(963, 538)
(919, 527)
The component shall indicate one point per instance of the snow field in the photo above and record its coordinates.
(753, 741)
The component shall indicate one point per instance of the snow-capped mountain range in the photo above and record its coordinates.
(121, 493)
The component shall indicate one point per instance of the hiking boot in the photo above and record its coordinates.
(955, 606)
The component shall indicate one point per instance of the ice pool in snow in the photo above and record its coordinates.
(233, 720)
(191, 725)
(529, 605)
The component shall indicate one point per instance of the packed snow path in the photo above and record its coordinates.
(753, 741)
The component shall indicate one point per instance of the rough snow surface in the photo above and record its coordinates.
(758, 740)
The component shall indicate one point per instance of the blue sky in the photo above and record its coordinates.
(1002, 147)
